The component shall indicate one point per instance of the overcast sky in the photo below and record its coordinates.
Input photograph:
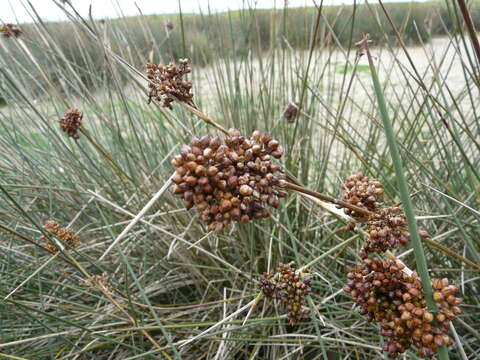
(18, 10)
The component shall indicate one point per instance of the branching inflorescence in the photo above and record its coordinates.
(232, 181)
(290, 287)
(235, 180)
(290, 113)
(362, 192)
(383, 290)
(387, 295)
(387, 226)
(166, 83)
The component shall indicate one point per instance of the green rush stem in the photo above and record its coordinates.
(182, 27)
(326, 253)
(307, 70)
(317, 328)
(20, 236)
(193, 306)
(39, 269)
(340, 137)
(405, 195)
(439, 107)
(71, 260)
(429, 241)
(197, 112)
(105, 154)
(6, 356)
(470, 27)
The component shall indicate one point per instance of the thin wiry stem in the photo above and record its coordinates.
(470, 27)
(329, 199)
(138, 217)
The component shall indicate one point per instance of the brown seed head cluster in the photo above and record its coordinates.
(166, 83)
(67, 235)
(290, 112)
(70, 122)
(232, 181)
(387, 226)
(387, 229)
(448, 303)
(362, 45)
(362, 192)
(291, 288)
(387, 295)
(169, 26)
(9, 30)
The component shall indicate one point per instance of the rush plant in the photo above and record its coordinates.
(206, 209)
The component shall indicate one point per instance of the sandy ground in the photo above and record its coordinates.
(438, 63)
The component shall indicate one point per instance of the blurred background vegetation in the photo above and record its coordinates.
(236, 33)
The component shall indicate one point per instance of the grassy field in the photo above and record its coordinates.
(161, 38)
(148, 279)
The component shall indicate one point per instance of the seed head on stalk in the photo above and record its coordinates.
(9, 30)
(290, 287)
(65, 234)
(395, 300)
(230, 181)
(70, 122)
(167, 84)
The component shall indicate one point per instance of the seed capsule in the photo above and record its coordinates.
(215, 143)
(427, 339)
(246, 190)
(437, 296)
(191, 180)
(428, 317)
(177, 179)
(191, 165)
(232, 181)
(225, 205)
(166, 84)
(200, 170)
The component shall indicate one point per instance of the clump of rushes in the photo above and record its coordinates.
(387, 228)
(290, 112)
(9, 30)
(387, 295)
(362, 192)
(291, 288)
(70, 122)
(232, 181)
(67, 235)
(166, 83)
